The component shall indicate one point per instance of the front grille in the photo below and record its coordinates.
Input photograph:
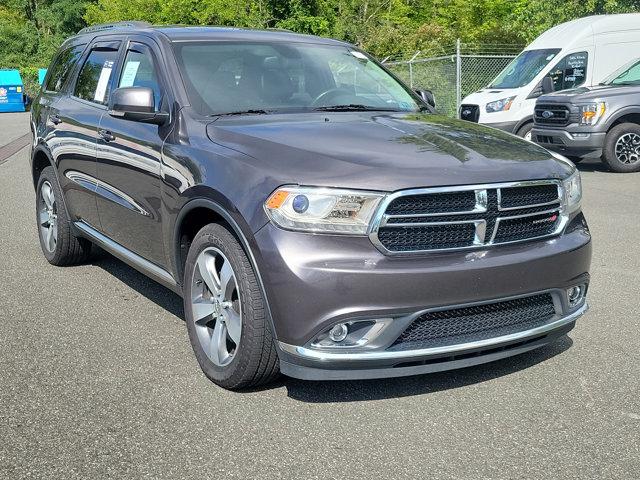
(551, 114)
(471, 218)
(478, 322)
(470, 113)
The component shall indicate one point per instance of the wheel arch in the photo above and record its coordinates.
(213, 212)
(626, 115)
(526, 120)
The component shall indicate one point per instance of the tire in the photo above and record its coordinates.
(622, 148)
(218, 272)
(59, 245)
(525, 131)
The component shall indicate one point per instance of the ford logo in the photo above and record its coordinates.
(547, 114)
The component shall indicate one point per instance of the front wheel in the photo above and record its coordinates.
(525, 131)
(226, 312)
(622, 148)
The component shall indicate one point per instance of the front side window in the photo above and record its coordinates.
(627, 75)
(570, 72)
(94, 78)
(139, 71)
(62, 67)
(524, 68)
(224, 77)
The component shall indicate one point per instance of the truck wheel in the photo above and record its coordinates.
(622, 148)
(226, 312)
(525, 131)
(59, 245)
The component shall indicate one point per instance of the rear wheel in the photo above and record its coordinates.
(622, 148)
(226, 312)
(59, 245)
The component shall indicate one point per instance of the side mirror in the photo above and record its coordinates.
(547, 85)
(427, 97)
(136, 104)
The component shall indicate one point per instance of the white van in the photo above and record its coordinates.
(582, 52)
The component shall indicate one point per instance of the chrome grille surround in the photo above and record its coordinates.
(482, 237)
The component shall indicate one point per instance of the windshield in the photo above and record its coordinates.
(524, 68)
(627, 75)
(227, 77)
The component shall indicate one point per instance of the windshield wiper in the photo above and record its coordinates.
(241, 112)
(354, 107)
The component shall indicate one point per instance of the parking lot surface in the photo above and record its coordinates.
(97, 379)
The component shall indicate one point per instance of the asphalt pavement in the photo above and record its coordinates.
(97, 379)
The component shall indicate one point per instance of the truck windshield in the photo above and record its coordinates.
(241, 77)
(524, 68)
(627, 75)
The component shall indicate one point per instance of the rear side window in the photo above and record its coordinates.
(62, 67)
(94, 80)
(570, 72)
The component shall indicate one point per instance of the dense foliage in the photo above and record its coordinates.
(31, 30)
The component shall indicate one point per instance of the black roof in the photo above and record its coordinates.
(179, 33)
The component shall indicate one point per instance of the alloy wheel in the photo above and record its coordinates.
(215, 303)
(628, 148)
(48, 217)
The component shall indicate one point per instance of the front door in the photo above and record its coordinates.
(129, 162)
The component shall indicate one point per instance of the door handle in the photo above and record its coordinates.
(55, 119)
(106, 135)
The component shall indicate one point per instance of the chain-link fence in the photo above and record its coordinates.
(452, 77)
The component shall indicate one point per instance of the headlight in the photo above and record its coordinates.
(591, 113)
(500, 105)
(322, 210)
(572, 187)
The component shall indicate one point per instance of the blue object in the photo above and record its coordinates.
(42, 72)
(12, 97)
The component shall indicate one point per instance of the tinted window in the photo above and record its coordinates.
(139, 71)
(94, 79)
(227, 77)
(570, 72)
(62, 67)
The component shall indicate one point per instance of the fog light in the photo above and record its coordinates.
(575, 295)
(339, 332)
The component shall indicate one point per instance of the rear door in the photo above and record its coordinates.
(129, 159)
(77, 116)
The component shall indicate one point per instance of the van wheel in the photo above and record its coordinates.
(622, 148)
(59, 245)
(226, 312)
(525, 131)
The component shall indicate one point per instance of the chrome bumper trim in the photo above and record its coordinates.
(325, 356)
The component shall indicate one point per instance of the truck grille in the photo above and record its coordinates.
(470, 113)
(478, 322)
(428, 220)
(550, 114)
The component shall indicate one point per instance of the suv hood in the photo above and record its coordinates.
(589, 94)
(382, 152)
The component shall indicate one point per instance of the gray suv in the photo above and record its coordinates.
(601, 121)
(316, 216)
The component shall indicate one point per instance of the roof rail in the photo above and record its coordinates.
(110, 26)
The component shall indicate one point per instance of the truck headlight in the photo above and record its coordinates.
(322, 210)
(572, 188)
(501, 105)
(591, 113)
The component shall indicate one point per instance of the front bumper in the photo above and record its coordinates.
(315, 281)
(509, 127)
(566, 142)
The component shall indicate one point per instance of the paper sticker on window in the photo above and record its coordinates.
(129, 74)
(103, 81)
(358, 55)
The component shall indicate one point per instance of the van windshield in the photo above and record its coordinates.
(524, 68)
(627, 75)
(242, 77)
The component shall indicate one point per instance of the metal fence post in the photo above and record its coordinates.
(458, 79)
(411, 68)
